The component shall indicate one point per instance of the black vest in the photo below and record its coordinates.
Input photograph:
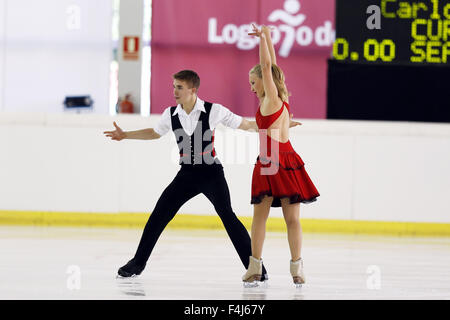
(197, 148)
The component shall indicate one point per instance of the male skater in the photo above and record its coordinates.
(193, 122)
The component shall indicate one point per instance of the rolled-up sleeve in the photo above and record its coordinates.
(164, 125)
(221, 114)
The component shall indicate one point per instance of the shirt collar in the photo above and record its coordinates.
(199, 106)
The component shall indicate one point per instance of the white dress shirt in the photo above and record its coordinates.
(218, 114)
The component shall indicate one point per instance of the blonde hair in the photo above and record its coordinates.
(278, 79)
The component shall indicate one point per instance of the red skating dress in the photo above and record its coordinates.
(279, 171)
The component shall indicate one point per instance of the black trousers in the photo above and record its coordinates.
(190, 181)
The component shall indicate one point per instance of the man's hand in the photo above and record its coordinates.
(117, 134)
(293, 123)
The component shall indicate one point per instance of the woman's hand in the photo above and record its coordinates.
(256, 32)
(266, 30)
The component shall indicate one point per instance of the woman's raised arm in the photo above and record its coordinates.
(273, 56)
(265, 60)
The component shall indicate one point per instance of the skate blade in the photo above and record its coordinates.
(122, 277)
(298, 282)
(255, 284)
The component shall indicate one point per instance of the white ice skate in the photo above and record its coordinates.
(297, 272)
(252, 278)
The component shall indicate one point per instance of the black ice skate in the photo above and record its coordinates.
(130, 269)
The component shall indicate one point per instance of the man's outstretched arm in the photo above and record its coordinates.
(144, 134)
(248, 125)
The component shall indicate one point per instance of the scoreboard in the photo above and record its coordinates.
(392, 31)
(390, 61)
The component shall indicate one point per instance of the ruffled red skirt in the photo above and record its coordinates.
(282, 175)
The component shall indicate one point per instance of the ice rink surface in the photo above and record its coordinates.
(81, 263)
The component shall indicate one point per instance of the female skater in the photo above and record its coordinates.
(279, 177)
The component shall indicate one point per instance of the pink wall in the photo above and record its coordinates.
(210, 37)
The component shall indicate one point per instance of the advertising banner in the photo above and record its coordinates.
(211, 38)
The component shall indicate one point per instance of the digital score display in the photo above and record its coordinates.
(393, 32)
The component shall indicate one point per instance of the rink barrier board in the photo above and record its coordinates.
(189, 221)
